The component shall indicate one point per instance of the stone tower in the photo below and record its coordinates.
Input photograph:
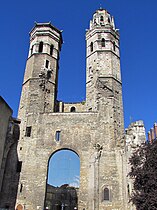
(103, 81)
(92, 129)
(41, 75)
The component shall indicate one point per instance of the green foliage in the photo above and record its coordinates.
(83, 102)
(144, 175)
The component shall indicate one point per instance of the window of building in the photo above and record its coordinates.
(109, 20)
(51, 49)
(32, 49)
(21, 186)
(114, 46)
(28, 131)
(128, 188)
(73, 109)
(103, 42)
(57, 136)
(19, 166)
(47, 64)
(91, 46)
(40, 47)
(101, 18)
(106, 194)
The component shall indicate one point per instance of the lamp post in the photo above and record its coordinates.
(62, 206)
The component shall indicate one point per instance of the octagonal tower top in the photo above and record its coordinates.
(102, 18)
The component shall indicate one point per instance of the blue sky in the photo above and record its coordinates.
(64, 169)
(136, 20)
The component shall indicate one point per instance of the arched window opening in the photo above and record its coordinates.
(101, 18)
(40, 47)
(106, 194)
(91, 46)
(103, 42)
(51, 49)
(73, 109)
(114, 46)
(109, 20)
(63, 180)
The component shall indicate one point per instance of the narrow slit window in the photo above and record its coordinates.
(91, 46)
(28, 131)
(106, 194)
(114, 46)
(47, 64)
(40, 47)
(57, 136)
(51, 49)
(103, 42)
(21, 187)
(19, 166)
(128, 188)
(32, 49)
(101, 18)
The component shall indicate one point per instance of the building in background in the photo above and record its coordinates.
(9, 164)
(152, 134)
(134, 137)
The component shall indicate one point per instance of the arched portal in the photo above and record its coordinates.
(63, 181)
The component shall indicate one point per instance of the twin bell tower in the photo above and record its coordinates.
(92, 129)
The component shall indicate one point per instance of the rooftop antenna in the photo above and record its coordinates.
(100, 6)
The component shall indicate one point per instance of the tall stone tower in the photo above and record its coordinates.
(41, 75)
(103, 81)
(93, 130)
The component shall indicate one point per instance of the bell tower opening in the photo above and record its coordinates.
(63, 181)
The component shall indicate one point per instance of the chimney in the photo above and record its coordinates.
(152, 134)
(149, 137)
(155, 129)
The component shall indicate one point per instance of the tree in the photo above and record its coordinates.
(144, 176)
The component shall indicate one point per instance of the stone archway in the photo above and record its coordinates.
(63, 181)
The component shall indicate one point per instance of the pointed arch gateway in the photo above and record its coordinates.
(63, 180)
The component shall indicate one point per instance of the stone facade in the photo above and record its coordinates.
(9, 163)
(134, 136)
(61, 197)
(93, 129)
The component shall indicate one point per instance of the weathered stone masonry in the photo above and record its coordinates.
(93, 129)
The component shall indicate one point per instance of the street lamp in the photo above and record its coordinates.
(62, 206)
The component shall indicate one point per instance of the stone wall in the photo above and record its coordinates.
(5, 114)
(9, 164)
